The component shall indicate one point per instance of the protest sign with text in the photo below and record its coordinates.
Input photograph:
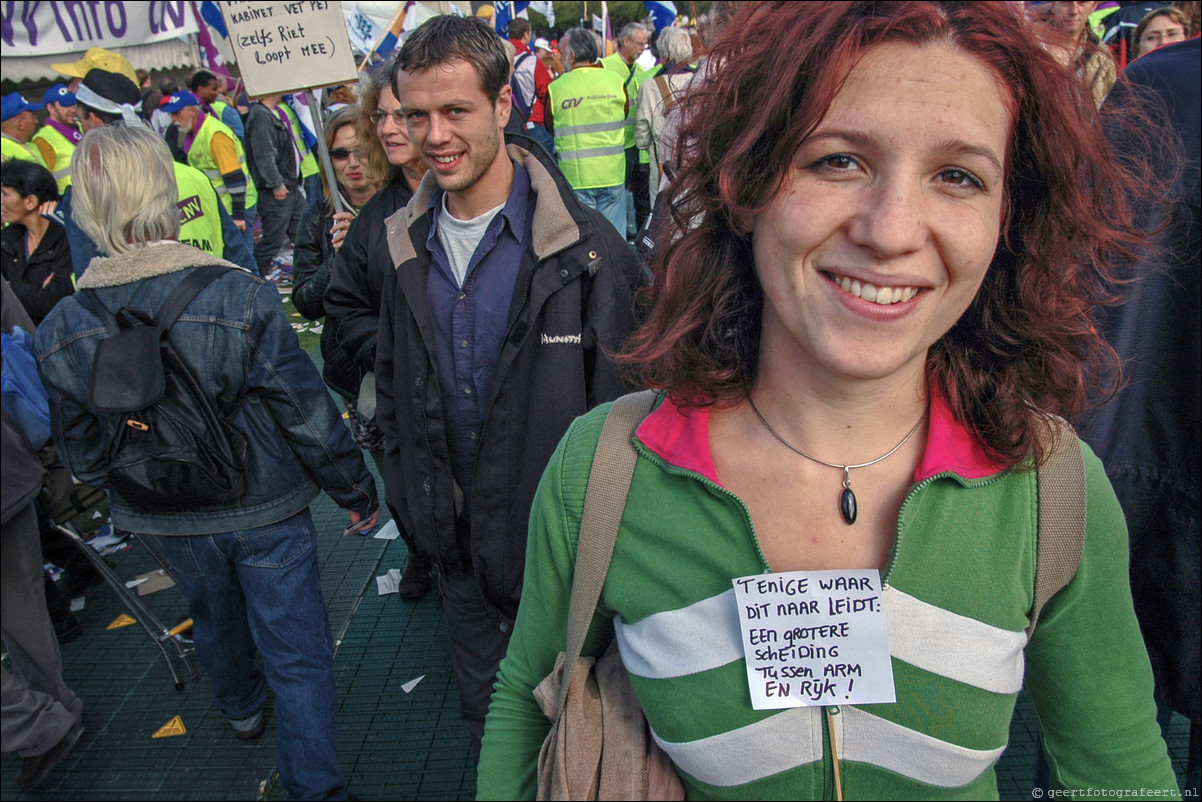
(287, 46)
(814, 638)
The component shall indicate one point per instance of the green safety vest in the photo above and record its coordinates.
(12, 149)
(631, 79)
(308, 165)
(200, 156)
(63, 148)
(199, 216)
(588, 112)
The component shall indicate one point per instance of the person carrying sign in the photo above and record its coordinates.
(867, 339)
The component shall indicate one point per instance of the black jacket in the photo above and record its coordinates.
(572, 303)
(355, 285)
(26, 275)
(270, 152)
(1149, 436)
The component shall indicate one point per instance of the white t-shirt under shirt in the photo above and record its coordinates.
(460, 238)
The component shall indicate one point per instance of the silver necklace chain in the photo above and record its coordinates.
(847, 499)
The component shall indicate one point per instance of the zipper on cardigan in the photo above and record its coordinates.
(901, 514)
(711, 484)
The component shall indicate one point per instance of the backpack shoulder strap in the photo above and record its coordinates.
(1061, 537)
(88, 300)
(665, 92)
(604, 502)
(179, 299)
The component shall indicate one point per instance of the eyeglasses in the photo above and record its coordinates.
(1160, 38)
(338, 154)
(379, 116)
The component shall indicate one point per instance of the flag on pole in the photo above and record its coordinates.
(210, 56)
(606, 33)
(296, 101)
(211, 14)
(362, 30)
(663, 14)
(387, 42)
(546, 8)
(506, 12)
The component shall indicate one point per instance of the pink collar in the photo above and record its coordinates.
(680, 435)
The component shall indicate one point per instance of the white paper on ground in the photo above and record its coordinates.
(411, 684)
(388, 531)
(389, 582)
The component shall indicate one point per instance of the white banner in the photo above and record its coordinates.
(37, 28)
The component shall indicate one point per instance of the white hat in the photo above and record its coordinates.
(543, 43)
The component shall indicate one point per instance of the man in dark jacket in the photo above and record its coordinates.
(494, 334)
(1149, 436)
(275, 169)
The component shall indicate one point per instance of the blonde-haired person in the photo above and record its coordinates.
(226, 557)
(352, 299)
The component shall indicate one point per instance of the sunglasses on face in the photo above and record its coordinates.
(338, 154)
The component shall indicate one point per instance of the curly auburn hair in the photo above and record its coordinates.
(379, 170)
(1026, 348)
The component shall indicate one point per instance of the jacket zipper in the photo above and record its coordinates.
(901, 514)
(529, 283)
(516, 318)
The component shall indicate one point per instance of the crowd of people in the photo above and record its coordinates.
(899, 250)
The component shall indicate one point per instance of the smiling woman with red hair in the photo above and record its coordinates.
(898, 224)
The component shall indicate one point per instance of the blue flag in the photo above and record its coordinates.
(662, 14)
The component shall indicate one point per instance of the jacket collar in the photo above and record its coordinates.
(554, 228)
(153, 260)
(680, 436)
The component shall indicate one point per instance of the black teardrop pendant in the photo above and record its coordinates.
(847, 506)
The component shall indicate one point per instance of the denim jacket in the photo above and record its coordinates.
(236, 336)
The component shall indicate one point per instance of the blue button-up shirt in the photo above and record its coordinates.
(470, 322)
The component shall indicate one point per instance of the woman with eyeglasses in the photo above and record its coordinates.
(1161, 27)
(352, 300)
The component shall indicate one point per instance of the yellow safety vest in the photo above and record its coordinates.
(63, 148)
(12, 149)
(199, 215)
(308, 165)
(588, 109)
(200, 156)
(632, 78)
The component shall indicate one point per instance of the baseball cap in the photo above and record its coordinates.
(59, 94)
(543, 43)
(97, 58)
(178, 100)
(13, 104)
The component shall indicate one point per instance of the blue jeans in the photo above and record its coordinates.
(259, 588)
(248, 236)
(610, 201)
(542, 136)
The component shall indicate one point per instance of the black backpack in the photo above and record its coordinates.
(168, 447)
